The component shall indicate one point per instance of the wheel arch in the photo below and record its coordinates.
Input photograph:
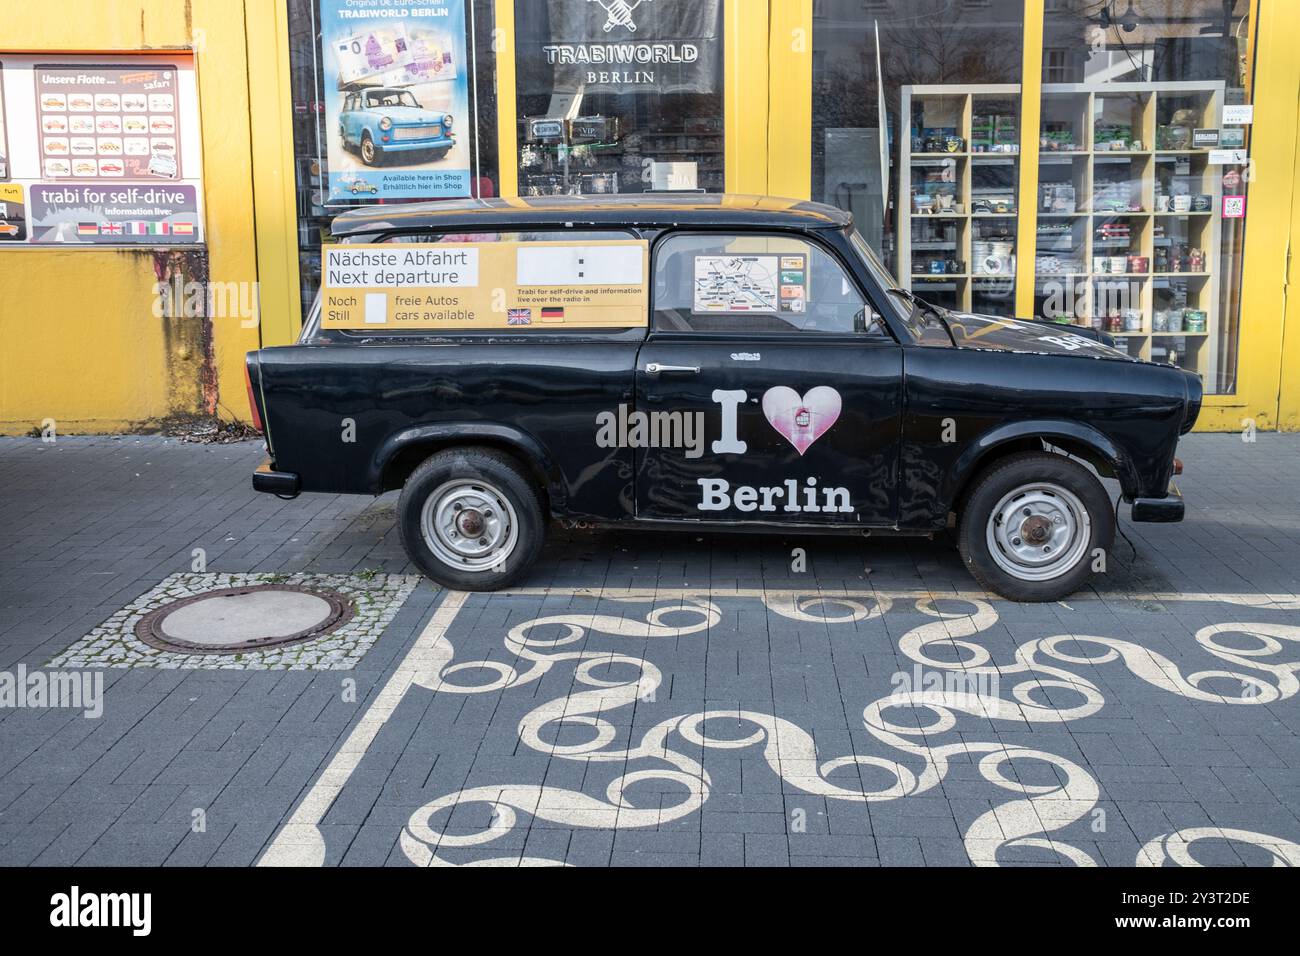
(402, 452)
(1076, 439)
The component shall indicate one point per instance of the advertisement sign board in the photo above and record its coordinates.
(108, 122)
(396, 99)
(485, 285)
(114, 213)
(624, 46)
(105, 150)
(13, 213)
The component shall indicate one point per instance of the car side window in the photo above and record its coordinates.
(755, 283)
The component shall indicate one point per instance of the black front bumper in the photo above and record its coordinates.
(272, 482)
(1165, 510)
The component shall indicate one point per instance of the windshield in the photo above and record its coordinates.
(913, 318)
(404, 98)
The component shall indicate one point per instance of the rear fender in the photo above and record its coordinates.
(424, 440)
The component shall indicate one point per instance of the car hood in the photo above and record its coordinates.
(1014, 335)
(410, 114)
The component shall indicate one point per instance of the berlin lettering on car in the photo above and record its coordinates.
(718, 495)
(722, 363)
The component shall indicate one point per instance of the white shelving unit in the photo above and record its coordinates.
(1121, 158)
(980, 116)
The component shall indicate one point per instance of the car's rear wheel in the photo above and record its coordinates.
(370, 154)
(1034, 525)
(471, 519)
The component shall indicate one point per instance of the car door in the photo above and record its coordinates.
(767, 391)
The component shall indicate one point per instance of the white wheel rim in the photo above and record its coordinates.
(367, 150)
(1038, 532)
(469, 525)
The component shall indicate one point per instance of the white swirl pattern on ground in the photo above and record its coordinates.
(1036, 811)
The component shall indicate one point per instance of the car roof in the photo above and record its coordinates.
(634, 209)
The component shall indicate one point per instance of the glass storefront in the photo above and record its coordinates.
(1116, 201)
(1140, 183)
(945, 153)
(1141, 216)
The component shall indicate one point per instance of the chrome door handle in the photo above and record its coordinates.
(654, 368)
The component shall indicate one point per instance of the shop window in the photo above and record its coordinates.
(1142, 199)
(1142, 179)
(942, 209)
(336, 108)
(619, 98)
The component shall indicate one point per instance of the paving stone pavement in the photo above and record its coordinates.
(653, 699)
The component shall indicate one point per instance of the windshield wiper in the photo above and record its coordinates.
(920, 305)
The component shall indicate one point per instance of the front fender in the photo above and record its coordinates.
(1075, 437)
(432, 438)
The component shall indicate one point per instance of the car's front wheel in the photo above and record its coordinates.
(370, 153)
(471, 519)
(1035, 526)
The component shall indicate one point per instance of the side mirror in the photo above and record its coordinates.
(862, 324)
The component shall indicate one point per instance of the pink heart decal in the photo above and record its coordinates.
(801, 420)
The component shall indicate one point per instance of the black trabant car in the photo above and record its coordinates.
(696, 362)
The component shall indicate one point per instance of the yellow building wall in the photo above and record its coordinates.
(79, 341)
(1289, 403)
(1262, 371)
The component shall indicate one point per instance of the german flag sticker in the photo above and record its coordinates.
(552, 315)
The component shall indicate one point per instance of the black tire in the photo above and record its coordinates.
(508, 505)
(1026, 481)
(376, 154)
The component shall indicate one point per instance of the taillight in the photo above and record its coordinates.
(1178, 466)
(252, 397)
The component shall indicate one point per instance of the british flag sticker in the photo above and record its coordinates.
(519, 317)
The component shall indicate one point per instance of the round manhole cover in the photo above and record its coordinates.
(233, 620)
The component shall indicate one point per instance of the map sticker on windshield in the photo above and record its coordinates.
(758, 283)
(737, 283)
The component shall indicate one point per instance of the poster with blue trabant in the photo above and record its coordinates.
(396, 99)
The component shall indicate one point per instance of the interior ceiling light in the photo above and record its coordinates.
(1127, 21)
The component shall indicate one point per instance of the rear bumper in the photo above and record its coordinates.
(1165, 510)
(267, 479)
